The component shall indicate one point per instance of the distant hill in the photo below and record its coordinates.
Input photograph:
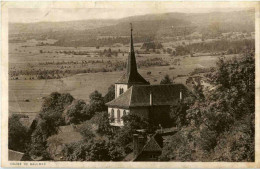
(146, 27)
(42, 27)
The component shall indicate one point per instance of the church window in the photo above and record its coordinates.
(112, 114)
(118, 116)
(121, 90)
(124, 113)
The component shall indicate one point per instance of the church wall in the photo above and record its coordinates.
(161, 115)
(140, 111)
(117, 111)
(118, 87)
(158, 114)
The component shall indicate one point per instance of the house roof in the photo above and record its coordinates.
(139, 96)
(154, 144)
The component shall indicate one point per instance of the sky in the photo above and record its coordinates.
(27, 15)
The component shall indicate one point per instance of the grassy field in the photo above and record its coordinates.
(26, 96)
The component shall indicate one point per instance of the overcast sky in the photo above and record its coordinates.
(26, 15)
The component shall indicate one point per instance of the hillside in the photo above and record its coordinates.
(147, 27)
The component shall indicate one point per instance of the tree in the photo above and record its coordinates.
(97, 103)
(86, 131)
(47, 123)
(178, 114)
(110, 94)
(18, 137)
(104, 127)
(132, 123)
(166, 80)
(221, 122)
(75, 112)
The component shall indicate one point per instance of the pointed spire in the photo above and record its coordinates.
(132, 76)
(131, 64)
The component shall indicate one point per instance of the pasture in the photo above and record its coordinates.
(26, 96)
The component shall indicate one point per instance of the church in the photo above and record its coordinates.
(133, 94)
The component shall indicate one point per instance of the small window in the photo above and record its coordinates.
(118, 116)
(121, 90)
(124, 113)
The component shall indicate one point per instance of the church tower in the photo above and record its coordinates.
(131, 76)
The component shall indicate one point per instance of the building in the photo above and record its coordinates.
(133, 94)
(147, 148)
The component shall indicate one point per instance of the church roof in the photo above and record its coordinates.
(132, 75)
(133, 79)
(139, 96)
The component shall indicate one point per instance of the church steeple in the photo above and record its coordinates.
(132, 77)
(131, 63)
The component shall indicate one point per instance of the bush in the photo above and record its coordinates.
(166, 80)
(18, 137)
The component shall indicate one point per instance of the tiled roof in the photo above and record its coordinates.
(154, 144)
(139, 95)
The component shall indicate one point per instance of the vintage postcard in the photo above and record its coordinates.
(130, 84)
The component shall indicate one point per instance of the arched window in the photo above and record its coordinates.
(124, 113)
(112, 115)
(118, 116)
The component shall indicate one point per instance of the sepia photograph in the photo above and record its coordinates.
(126, 82)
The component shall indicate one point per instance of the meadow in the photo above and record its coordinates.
(27, 93)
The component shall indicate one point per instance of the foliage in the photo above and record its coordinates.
(166, 80)
(97, 103)
(132, 123)
(53, 107)
(86, 131)
(76, 112)
(220, 127)
(17, 134)
(178, 114)
(151, 45)
(104, 127)
(182, 50)
(110, 94)
(47, 122)
(93, 150)
(231, 47)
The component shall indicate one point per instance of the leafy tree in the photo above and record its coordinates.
(47, 123)
(221, 122)
(131, 123)
(104, 127)
(97, 103)
(166, 80)
(178, 114)
(86, 131)
(53, 107)
(110, 94)
(17, 134)
(93, 150)
(76, 112)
